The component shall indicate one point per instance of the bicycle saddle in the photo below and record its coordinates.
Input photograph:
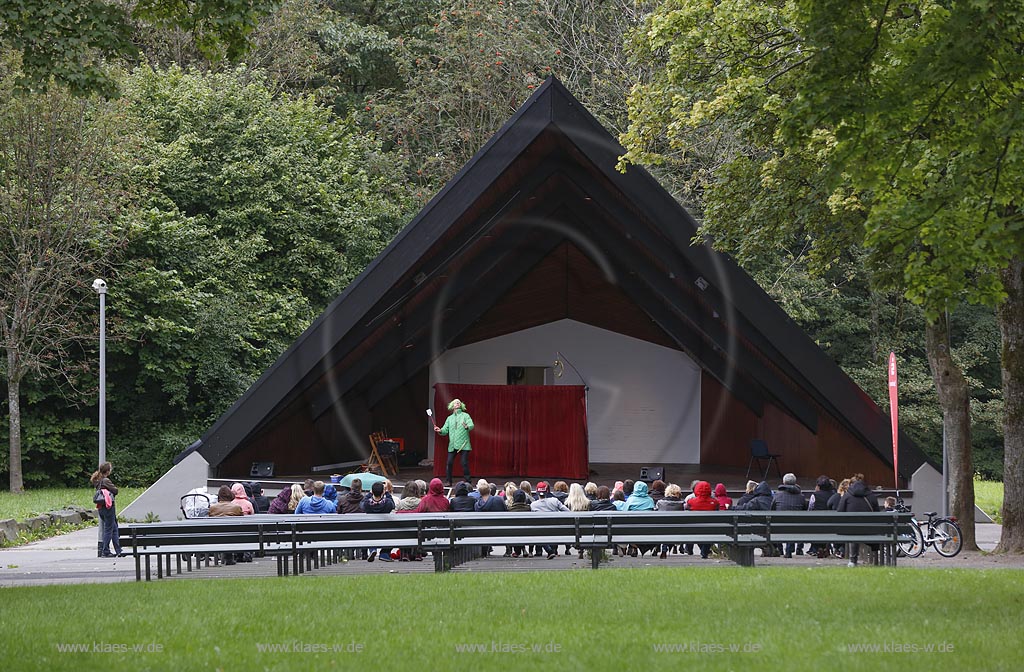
(930, 514)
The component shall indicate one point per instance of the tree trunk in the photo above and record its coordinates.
(14, 424)
(956, 424)
(1011, 327)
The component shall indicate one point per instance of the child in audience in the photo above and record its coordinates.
(722, 496)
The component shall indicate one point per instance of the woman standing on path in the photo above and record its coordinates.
(108, 513)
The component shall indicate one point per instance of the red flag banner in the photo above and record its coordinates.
(894, 415)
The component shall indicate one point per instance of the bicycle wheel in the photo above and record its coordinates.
(914, 546)
(947, 537)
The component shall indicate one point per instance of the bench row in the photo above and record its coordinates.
(452, 537)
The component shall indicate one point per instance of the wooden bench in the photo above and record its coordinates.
(454, 538)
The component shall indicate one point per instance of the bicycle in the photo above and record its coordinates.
(942, 533)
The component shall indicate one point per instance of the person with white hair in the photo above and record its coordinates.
(789, 497)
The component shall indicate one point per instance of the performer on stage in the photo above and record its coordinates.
(457, 428)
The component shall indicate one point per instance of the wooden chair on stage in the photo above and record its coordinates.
(383, 455)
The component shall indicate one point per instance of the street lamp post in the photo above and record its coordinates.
(100, 287)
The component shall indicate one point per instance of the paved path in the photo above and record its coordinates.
(72, 559)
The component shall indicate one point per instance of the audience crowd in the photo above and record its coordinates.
(316, 497)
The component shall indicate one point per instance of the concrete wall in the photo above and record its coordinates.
(644, 399)
(163, 498)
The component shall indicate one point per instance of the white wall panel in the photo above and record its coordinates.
(644, 399)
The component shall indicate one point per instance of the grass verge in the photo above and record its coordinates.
(989, 496)
(704, 618)
(36, 501)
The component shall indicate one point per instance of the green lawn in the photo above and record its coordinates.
(989, 496)
(35, 501)
(609, 619)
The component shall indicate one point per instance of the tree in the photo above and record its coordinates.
(70, 41)
(480, 61)
(904, 117)
(259, 209)
(58, 203)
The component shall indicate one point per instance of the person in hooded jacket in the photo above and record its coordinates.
(789, 497)
(702, 501)
(316, 503)
(722, 496)
(352, 501)
(260, 503)
(434, 501)
(238, 490)
(858, 499)
(747, 495)
(639, 500)
(280, 503)
(761, 499)
(462, 501)
(330, 494)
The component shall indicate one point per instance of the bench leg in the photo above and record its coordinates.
(595, 557)
(177, 562)
(159, 567)
(148, 577)
(138, 567)
(438, 561)
(742, 555)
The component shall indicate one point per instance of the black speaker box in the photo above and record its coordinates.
(262, 469)
(652, 474)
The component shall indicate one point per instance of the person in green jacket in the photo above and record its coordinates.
(457, 428)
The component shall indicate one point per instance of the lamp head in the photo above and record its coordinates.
(99, 285)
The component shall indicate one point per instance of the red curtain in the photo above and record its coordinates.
(519, 430)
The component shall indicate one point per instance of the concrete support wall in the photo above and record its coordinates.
(163, 498)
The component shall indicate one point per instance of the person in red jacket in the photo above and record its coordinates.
(722, 496)
(434, 501)
(702, 501)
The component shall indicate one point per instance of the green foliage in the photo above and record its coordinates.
(261, 209)
(865, 142)
(71, 42)
(904, 119)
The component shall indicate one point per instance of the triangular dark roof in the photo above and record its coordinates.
(552, 162)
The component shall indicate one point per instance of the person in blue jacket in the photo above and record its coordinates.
(316, 503)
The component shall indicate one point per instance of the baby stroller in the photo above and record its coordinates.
(196, 504)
